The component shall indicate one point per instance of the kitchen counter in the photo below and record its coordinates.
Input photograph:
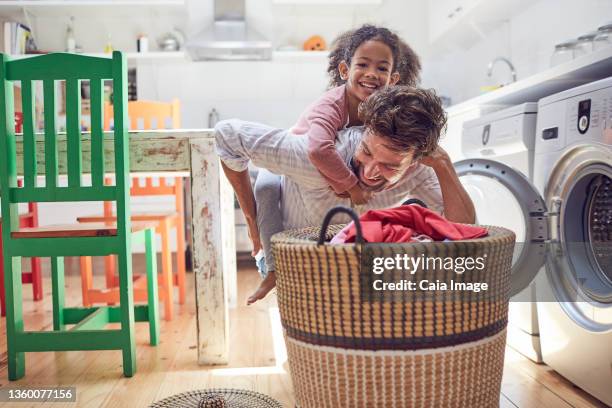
(588, 68)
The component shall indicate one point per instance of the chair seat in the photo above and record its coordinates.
(143, 216)
(77, 230)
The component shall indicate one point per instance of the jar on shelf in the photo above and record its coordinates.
(584, 44)
(564, 52)
(603, 39)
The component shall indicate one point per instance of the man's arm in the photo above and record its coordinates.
(241, 183)
(458, 206)
(240, 142)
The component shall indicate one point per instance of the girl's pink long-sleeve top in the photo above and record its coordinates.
(320, 122)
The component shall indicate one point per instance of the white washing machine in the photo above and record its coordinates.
(573, 169)
(499, 148)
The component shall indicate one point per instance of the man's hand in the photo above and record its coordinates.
(458, 206)
(358, 195)
(255, 239)
(438, 157)
(241, 183)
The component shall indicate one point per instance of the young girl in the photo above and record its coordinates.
(360, 62)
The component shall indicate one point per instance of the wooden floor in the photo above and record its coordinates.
(257, 359)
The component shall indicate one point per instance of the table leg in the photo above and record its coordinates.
(214, 252)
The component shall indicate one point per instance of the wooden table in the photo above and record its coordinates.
(212, 203)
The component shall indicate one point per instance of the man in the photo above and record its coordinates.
(395, 155)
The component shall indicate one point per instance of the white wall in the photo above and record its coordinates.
(273, 92)
(528, 40)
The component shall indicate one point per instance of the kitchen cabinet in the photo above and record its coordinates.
(461, 23)
(98, 23)
(328, 2)
(62, 8)
(444, 14)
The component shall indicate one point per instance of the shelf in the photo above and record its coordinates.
(470, 23)
(155, 55)
(85, 3)
(182, 55)
(588, 68)
(299, 54)
(327, 2)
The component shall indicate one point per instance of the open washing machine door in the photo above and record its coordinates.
(504, 196)
(575, 290)
(579, 266)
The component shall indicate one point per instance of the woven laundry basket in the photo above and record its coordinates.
(444, 349)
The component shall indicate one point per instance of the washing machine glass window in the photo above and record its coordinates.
(586, 238)
(599, 221)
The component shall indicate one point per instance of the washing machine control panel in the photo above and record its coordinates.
(584, 115)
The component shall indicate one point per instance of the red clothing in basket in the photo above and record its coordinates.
(403, 224)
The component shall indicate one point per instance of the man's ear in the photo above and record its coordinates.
(343, 69)
(395, 77)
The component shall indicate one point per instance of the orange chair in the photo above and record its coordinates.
(148, 111)
(29, 219)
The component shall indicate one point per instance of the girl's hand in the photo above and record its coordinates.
(358, 195)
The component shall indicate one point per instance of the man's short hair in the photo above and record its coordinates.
(411, 118)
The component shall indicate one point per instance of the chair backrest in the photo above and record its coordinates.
(72, 69)
(149, 112)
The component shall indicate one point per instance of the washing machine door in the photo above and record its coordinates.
(503, 196)
(579, 266)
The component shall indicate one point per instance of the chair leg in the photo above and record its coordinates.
(35, 268)
(2, 299)
(126, 304)
(86, 279)
(110, 270)
(37, 289)
(180, 258)
(152, 296)
(57, 282)
(14, 316)
(167, 286)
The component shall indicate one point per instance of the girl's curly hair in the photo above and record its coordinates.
(405, 61)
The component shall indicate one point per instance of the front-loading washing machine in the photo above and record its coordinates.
(499, 148)
(573, 169)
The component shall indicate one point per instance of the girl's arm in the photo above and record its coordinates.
(324, 122)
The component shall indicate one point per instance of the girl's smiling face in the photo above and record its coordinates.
(370, 68)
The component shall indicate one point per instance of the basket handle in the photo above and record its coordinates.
(414, 201)
(328, 217)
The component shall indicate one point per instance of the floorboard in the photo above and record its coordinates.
(255, 362)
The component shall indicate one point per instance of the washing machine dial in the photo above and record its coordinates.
(584, 113)
(583, 124)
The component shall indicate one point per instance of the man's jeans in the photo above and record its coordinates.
(269, 217)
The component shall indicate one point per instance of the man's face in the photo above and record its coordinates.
(377, 164)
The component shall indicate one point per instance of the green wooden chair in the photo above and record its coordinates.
(87, 331)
